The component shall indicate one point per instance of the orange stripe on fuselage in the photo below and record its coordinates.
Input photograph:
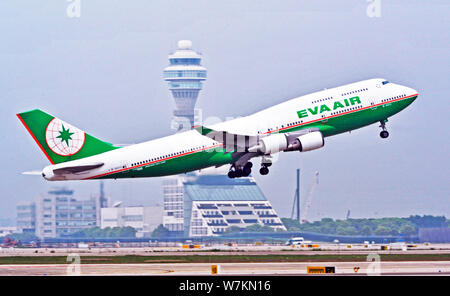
(159, 160)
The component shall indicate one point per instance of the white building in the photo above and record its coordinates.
(143, 219)
(26, 217)
(208, 204)
(58, 213)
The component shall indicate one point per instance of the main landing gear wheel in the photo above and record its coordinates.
(235, 174)
(247, 170)
(264, 170)
(244, 171)
(384, 133)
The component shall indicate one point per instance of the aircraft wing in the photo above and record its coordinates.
(76, 169)
(230, 141)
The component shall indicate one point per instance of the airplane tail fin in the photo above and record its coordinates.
(59, 140)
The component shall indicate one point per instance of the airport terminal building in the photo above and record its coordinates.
(207, 205)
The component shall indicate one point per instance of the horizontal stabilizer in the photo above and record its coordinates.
(32, 173)
(77, 169)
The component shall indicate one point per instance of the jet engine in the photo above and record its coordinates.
(308, 142)
(273, 144)
(289, 142)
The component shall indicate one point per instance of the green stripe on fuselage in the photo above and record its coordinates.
(217, 156)
(178, 165)
(355, 119)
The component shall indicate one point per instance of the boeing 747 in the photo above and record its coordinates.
(300, 124)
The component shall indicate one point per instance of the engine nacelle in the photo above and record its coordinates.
(310, 141)
(273, 144)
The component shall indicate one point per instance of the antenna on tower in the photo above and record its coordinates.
(296, 203)
(309, 197)
(103, 199)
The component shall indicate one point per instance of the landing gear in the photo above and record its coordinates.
(244, 171)
(263, 170)
(247, 169)
(384, 133)
(266, 162)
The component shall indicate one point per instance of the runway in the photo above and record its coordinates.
(422, 259)
(284, 268)
(325, 249)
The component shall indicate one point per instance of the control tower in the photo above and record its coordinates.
(185, 75)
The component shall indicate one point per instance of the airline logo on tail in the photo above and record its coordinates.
(60, 141)
(64, 139)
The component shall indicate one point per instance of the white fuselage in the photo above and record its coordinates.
(271, 120)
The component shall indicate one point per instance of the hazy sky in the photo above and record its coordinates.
(102, 72)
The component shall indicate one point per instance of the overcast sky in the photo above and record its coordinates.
(102, 72)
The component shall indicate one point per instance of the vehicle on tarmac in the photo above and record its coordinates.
(297, 241)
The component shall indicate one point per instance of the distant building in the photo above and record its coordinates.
(173, 191)
(26, 217)
(58, 213)
(206, 205)
(434, 235)
(143, 219)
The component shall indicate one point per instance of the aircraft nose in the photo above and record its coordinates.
(412, 91)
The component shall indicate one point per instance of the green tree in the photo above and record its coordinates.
(259, 228)
(160, 231)
(291, 224)
(346, 230)
(365, 230)
(232, 229)
(408, 229)
(382, 230)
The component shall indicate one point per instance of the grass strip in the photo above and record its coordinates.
(130, 259)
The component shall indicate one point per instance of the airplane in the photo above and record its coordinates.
(299, 124)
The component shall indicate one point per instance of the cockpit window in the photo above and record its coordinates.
(385, 82)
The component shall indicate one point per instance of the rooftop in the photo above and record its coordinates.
(222, 188)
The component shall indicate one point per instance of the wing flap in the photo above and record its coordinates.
(230, 141)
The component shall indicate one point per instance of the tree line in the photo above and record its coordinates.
(371, 226)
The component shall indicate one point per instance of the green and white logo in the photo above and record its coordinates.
(324, 107)
(62, 138)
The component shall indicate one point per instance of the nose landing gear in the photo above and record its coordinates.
(265, 164)
(384, 133)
